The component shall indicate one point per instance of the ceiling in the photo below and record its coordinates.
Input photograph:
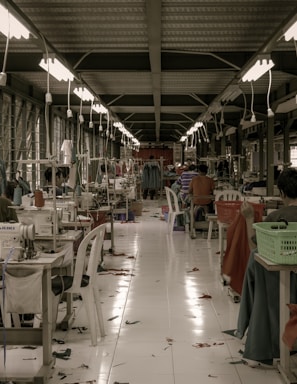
(159, 65)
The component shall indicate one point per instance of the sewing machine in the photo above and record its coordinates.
(15, 241)
(66, 206)
(42, 219)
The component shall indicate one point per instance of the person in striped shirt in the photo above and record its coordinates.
(185, 180)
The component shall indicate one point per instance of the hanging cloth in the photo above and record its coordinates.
(237, 253)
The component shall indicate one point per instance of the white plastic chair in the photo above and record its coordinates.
(86, 270)
(173, 206)
(228, 194)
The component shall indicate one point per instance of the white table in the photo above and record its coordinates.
(70, 235)
(34, 336)
(289, 374)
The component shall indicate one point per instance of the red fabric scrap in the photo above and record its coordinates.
(290, 333)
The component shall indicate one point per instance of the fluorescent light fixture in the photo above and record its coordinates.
(214, 107)
(99, 108)
(231, 93)
(11, 26)
(261, 66)
(83, 93)
(245, 124)
(287, 106)
(54, 66)
(291, 32)
(230, 131)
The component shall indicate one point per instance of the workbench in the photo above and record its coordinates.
(288, 372)
(12, 371)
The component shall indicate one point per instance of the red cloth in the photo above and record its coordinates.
(290, 333)
(237, 253)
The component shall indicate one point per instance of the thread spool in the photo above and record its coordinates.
(39, 200)
(17, 196)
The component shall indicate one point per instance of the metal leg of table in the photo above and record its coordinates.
(284, 298)
(112, 231)
(192, 222)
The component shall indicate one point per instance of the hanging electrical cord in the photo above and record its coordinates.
(80, 121)
(98, 174)
(217, 128)
(253, 118)
(222, 120)
(114, 133)
(269, 110)
(107, 130)
(245, 108)
(3, 76)
(48, 101)
(199, 136)
(202, 133)
(91, 124)
(100, 123)
(205, 132)
(186, 143)
(192, 140)
(69, 112)
(107, 134)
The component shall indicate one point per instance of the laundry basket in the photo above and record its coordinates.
(227, 210)
(277, 241)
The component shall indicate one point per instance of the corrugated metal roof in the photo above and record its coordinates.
(139, 56)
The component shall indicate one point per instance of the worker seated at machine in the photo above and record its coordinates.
(201, 188)
(49, 182)
(7, 213)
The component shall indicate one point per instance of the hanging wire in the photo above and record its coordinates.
(199, 136)
(46, 112)
(222, 120)
(252, 103)
(107, 134)
(100, 123)
(7, 45)
(194, 140)
(269, 111)
(202, 132)
(205, 132)
(91, 115)
(245, 106)
(79, 130)
(217, 128)
(69, 112)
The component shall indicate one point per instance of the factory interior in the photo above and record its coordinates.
(141, 141)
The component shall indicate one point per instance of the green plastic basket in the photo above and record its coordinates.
(277, 241)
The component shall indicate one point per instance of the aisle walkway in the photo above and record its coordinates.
(162, 328)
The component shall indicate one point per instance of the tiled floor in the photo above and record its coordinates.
(158, 328)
